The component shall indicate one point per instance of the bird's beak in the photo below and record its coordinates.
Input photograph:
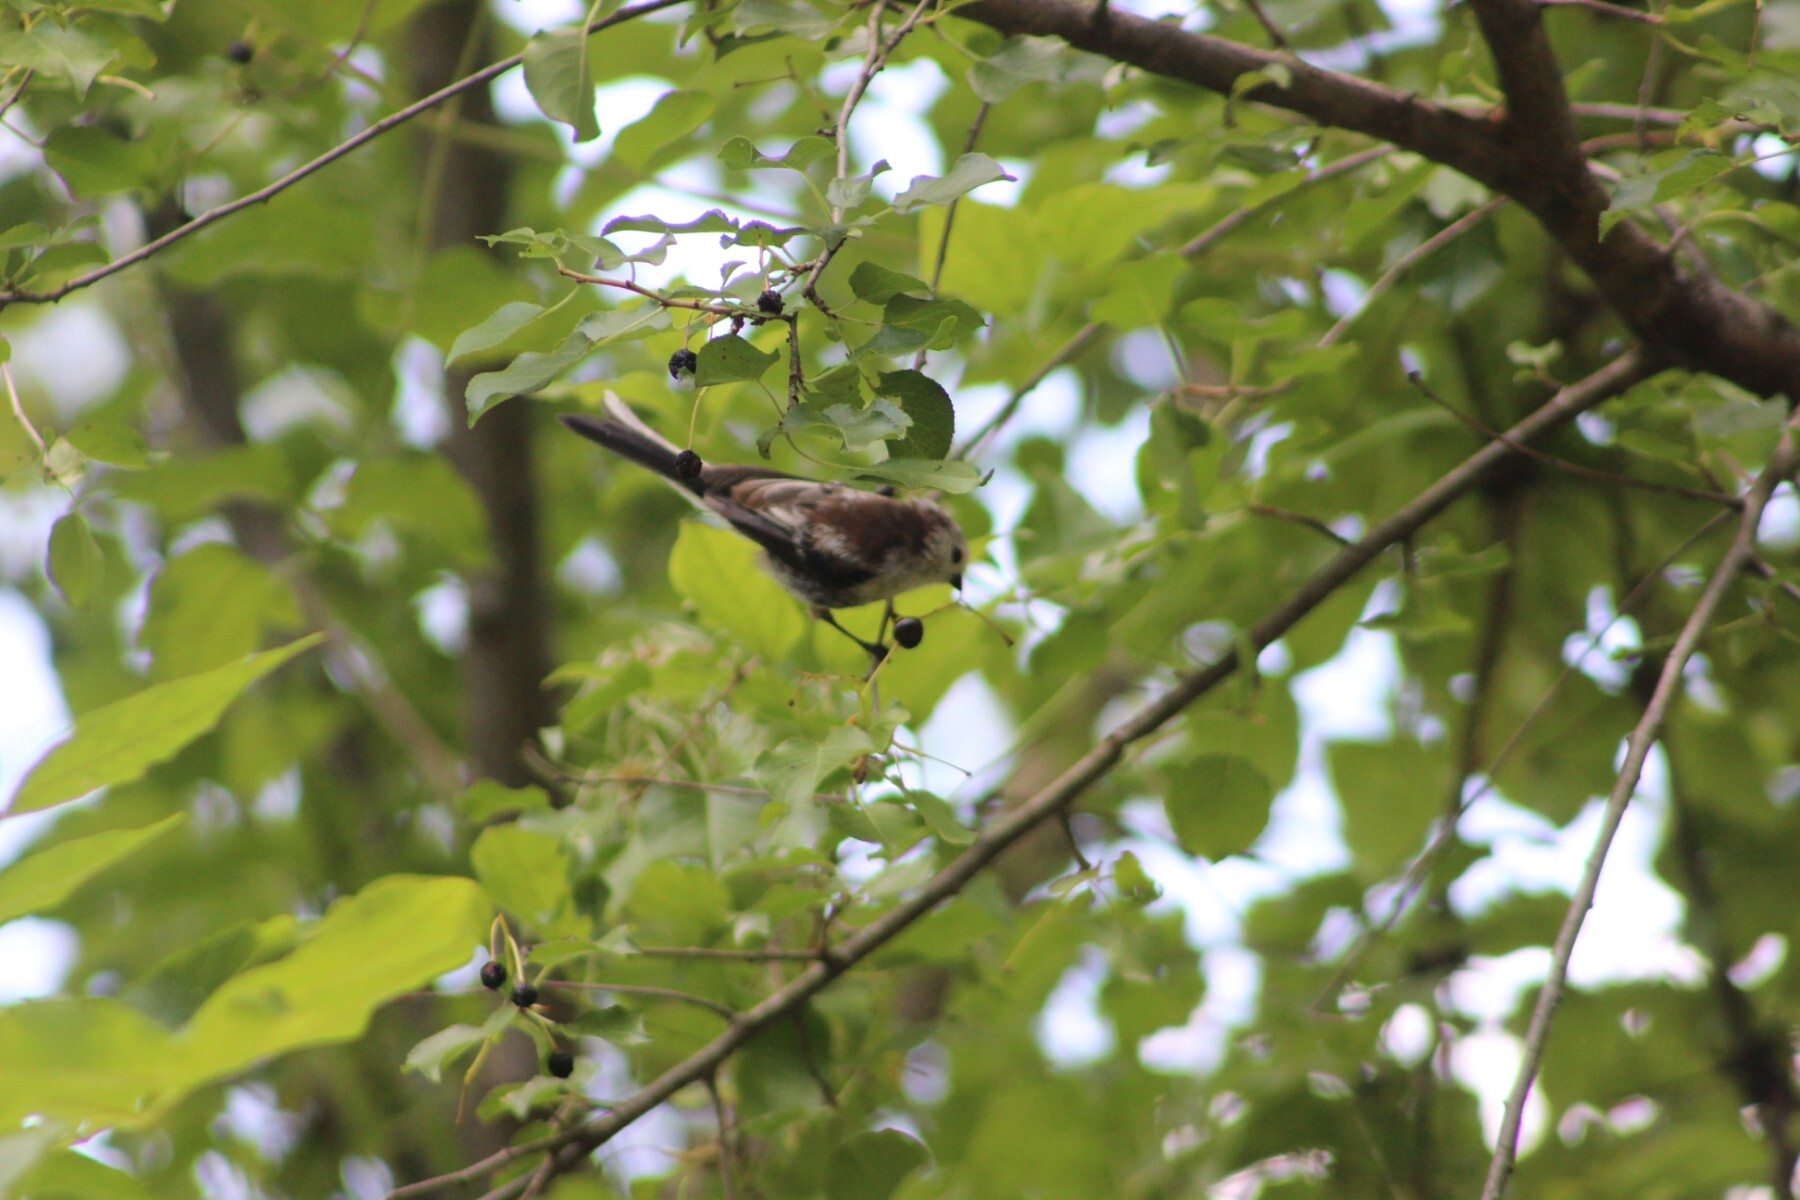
(956, 581)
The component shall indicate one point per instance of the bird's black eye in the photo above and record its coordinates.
(956, 557)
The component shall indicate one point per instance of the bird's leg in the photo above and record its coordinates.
(876, 650)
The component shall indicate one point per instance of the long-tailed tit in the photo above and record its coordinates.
(830, 545)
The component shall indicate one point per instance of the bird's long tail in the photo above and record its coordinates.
(629, 437)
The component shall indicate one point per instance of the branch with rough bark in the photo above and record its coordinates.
(1527, 152)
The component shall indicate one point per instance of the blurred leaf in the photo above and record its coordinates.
(556, 74)
(656, 137)
(526, 873)
(716, 572)
(118, 743)
(39, 881)
(75, 563)
(965, 175)
(398, 933)
(870, 1166)
(1218, 804)
(731, 359)
(210, 606)
(792, 771)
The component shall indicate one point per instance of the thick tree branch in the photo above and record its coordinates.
(1528, 154)
(571, 1146)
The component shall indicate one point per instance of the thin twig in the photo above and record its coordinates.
(722, 1117)
(1276, 38)
(744, 312)
(1408, 261)
(749, 956)
(1445, 837)
(1312, 523)
(18, 407)
(1573, 468)
(1049, 801)
(354, 142)
(1637, 749)
(656, 993)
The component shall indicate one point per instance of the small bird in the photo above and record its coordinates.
(830, 545)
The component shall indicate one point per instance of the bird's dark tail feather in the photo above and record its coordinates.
(640, 448)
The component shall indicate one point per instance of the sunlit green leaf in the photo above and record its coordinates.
(118, 743)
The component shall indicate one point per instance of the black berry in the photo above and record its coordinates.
(240, 52)
(909, 631)
(524, 995)
(688, 465)
(493, 975)
(769, 302)
(561, 1064)
(683, 362)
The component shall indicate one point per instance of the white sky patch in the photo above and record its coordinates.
(1071, 1030)
(44, 361)
(1102, 465)
(38, 956)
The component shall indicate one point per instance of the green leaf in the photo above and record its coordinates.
(556, 74)
(624, 324)
(495, 328)
(21, 1152)
(871, 1166)
(398, 933)
(741, 153)
(793, 17)
(713, 220)
(60, 51)
(1391, 793)
(111, 442)
(953, 477)
(95, 162)
(72, 1175)
(1218, 804)
(1673, 177)
(118, 743)
(211, 606)
(854, 192)
(612, 1022)
(938, 815)
(715, 571)
(731, 359)
(928, 406)
(420, 496)
(41, 881)
(877, 284)
(174, 988)
(80, 1059)
(655, 138)
(432, 1054)
(527, 373)
(1019, 61)
(1138, 293)
(487, 798)
(190, 486)
(75, 564)
(965, 175)
(526, 873)
(856, 427)
(792, 770)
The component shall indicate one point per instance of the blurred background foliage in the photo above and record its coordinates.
(1193, 344)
